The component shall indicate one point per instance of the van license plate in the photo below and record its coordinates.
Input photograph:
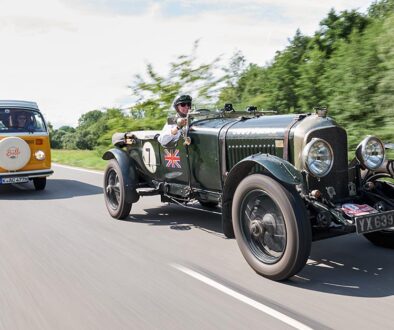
(374, 222)
(14, 180)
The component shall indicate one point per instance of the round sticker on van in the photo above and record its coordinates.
(14, 153)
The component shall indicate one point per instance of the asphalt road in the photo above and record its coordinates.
(66, 264)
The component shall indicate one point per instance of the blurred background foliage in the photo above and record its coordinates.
(347, 66)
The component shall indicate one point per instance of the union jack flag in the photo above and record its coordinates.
(172, 158)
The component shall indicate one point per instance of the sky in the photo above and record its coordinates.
(74, 56)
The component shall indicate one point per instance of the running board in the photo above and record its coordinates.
(147, 191)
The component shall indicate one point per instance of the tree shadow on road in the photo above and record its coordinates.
(55, 189)
(180, 218)
(350, 266)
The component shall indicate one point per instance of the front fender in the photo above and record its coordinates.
(277, 167)
(129, 173)
(273, 166)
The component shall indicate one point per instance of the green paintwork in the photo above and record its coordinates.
(224, 145)
(204, 159)
(277, 167)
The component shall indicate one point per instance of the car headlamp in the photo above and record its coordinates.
(318, 157)
(370, 153)
(39, 155)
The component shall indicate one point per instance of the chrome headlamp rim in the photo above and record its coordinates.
(360, 153)
(305, 154)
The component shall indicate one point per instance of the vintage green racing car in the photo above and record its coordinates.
(281, 181)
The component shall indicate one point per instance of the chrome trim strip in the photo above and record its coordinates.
(31, 173)
(24, 134)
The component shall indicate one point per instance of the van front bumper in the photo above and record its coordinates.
(23, 176)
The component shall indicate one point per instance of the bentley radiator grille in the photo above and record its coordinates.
(240, 149)
(335, 184)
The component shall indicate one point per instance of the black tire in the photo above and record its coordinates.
(40, 183)
(209, 204)
(383, 238)
(227, 228)
(271, 227)
(114, 191)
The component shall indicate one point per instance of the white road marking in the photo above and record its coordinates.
(302, 278)
(343, 286)
(324, 266)
(77, 168)
(259, 306)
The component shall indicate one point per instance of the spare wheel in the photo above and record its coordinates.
(14, 153)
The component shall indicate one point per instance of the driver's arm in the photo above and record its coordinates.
(170, 133)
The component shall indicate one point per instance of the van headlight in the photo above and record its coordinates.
(39, 154)
(370, 153)
(318, 157)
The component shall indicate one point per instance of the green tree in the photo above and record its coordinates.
(283, 74)
(231, 92)
(338, 27)
(384, 97)
(155, 93)
(381, 9)
(90, 118)
(59, 136)
(308, 86)
(351, 81)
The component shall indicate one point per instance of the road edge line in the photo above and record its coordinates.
(78, 168)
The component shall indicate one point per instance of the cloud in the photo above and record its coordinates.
(110, 7)
(78, 55)
(33, 25)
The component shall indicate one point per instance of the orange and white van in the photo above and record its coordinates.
(25, 152)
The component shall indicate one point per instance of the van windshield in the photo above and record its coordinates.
(21, 120)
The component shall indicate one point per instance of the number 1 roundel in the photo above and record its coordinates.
(149, 157)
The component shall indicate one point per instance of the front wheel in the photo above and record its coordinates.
(115, 191)
(40, 183)
(271, 227)
(383, 238)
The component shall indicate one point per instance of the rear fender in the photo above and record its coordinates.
(273, 166)
(129, 173)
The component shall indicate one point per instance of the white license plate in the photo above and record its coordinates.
(14, 180)
(374, 222)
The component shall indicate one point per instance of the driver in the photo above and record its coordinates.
(21, 120)
(172, 132)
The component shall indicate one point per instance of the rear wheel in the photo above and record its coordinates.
(271, 227)
(115, 191)
(40, 183)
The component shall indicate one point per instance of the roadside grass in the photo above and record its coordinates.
(90, 159)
